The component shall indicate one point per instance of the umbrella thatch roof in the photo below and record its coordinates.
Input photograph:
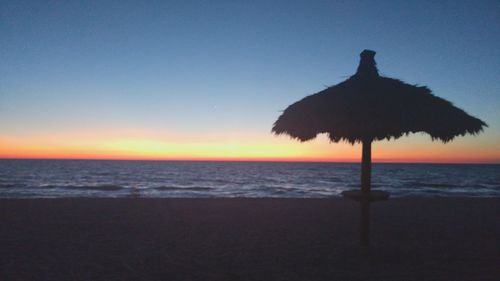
(369, 107)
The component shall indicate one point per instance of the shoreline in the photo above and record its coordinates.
(247, 239)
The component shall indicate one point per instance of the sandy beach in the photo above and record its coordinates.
(247, 239)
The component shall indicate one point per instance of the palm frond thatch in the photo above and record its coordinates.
(370, 107)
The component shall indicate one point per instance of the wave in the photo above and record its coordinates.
(102, 187)
(9, 185)
(428, 184)
(188, 188)
(485, 186)
(359, 185)
(287, 191)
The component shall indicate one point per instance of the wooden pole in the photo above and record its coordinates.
(366, 170)
(364, 222)
(366, 167)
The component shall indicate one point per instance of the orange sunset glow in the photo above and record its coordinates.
(141, 145)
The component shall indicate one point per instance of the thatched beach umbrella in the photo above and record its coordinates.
(368, 107)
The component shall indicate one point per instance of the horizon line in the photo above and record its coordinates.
(388, 161)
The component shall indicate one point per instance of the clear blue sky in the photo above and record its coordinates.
(219, 66)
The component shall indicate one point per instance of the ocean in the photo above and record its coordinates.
(102, 178)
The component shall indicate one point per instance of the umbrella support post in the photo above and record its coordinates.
(366, 171)
(366, 177)
(364, 223)
(365, 196)
(366, 167)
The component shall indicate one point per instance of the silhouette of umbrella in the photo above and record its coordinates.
(368, 107)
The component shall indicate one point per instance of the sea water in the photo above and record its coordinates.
(100, 178)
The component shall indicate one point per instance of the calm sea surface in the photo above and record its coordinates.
(89, 178)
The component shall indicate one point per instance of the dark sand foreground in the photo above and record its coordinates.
(247, 239)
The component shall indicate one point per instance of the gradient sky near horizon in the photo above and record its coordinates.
(207, 79)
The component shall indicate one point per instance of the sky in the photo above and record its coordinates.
(205, 80)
